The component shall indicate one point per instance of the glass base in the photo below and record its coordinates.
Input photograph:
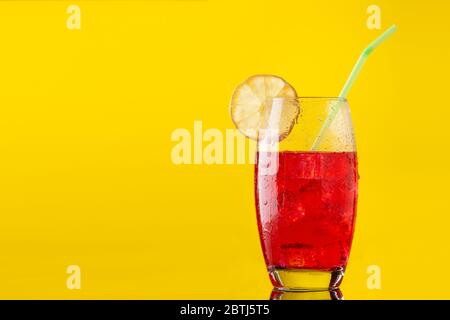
(277, 294)
(306, 280)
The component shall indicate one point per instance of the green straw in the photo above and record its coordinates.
(351, 79)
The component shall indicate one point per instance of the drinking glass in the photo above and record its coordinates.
(306, 199)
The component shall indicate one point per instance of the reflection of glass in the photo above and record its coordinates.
(306, 295)
(306, 200)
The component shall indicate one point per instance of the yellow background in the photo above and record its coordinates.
(86, 117)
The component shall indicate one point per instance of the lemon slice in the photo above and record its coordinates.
(264, 102)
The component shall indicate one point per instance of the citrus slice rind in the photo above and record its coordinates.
(253, 106)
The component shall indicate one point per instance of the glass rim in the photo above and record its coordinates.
(311, 98)
(323, 98)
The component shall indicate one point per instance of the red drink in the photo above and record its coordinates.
(306, 209)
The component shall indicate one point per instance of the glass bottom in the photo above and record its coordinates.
(277, 294)
(306, 280)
